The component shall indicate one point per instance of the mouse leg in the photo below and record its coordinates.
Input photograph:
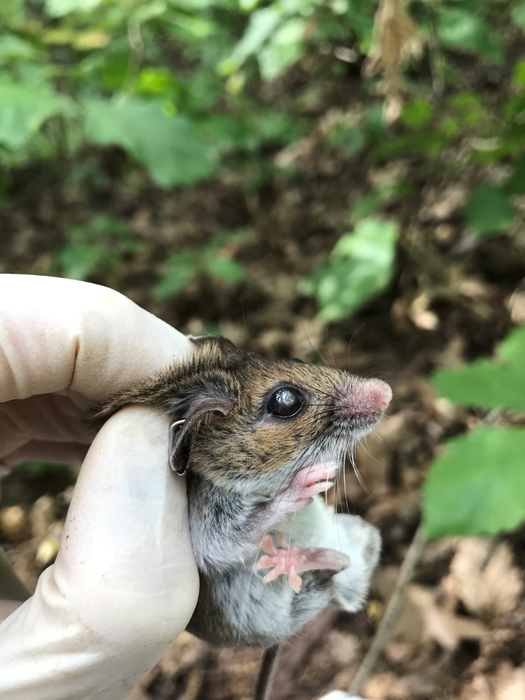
(291, 560)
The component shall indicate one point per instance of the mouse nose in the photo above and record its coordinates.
(380, 393)
(364, 397)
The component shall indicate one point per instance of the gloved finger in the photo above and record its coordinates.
(7, 607)
(58, 334)
(124, 584)
(50, 417)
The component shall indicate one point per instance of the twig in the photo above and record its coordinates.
(494, 543)
(135, 60)
(389, 618)
(267, 672)
(296, 656)
(434, 54)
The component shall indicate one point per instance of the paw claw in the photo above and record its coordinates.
(265, 562)
(268, 546)
(295, 582)
(273, 574)
(281, 541)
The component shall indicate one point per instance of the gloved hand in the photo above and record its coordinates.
(124, 584)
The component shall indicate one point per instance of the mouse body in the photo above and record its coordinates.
(259, 441)
(236, 607)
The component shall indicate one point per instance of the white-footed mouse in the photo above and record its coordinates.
(259, 440)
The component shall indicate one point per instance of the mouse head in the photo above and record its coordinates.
(250, 424)
(247, 419)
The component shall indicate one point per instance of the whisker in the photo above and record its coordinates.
(363, 447)
(356, 471)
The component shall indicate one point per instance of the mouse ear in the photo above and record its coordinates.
(178, 452)
(196, 411)
(216, 342)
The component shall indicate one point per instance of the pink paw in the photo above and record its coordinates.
(292, 560)
(306, 484)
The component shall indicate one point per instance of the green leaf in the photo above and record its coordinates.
(512, 349)
(378, 197)
(477, 486)
(489, 210)
(180, 268)
(196, 27)
(79, 261)
(24, 109)
(468, 108)
(498, 383)
(516, 182)
(11, 10)
(518, 74)
(462, 29)
(350, 140)
(14, 48)
(360, 266)
(156, 81)
(102, 241)
(417, 113)
(284, 49)
(167, 146)
(58, 8)
(518, 15)
(225, 268)
(262, 23)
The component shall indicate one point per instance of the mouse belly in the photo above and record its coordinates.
(237, 608)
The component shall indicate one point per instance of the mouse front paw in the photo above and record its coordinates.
(291, 560)
(306, 484)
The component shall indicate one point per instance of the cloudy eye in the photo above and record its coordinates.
(285, 402)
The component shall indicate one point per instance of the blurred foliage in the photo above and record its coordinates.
(171, 83)
(489, 210)
(150, 77)
(214, 260)
(478, 485)
(99, 244)
(360, 266)
(495, 383)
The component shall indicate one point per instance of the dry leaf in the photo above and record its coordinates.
(395, 39)
(446, 628)
(421, 315)
(485, 590)
(510, 684)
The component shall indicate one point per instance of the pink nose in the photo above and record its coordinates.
(380, 393)
(365, 396)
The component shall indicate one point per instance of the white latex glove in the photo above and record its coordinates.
(124, 584)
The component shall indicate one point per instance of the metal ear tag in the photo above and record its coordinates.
(173, 438)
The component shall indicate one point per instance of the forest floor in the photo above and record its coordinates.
(461, 631)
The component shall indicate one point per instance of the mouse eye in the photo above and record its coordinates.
(285, 402)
